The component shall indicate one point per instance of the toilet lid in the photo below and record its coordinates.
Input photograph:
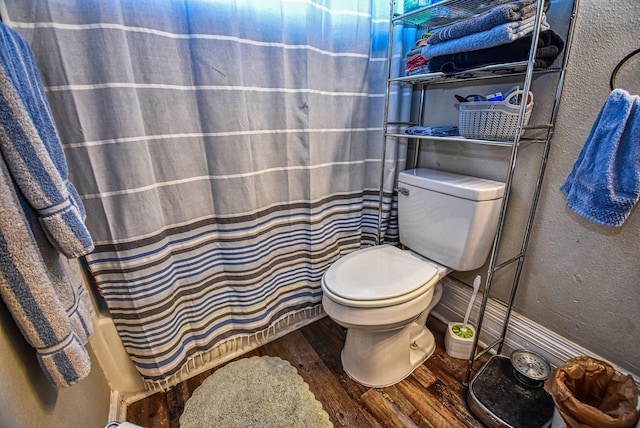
(377, 273)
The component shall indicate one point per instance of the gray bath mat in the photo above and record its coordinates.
(254, 392)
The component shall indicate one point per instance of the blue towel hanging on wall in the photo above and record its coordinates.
(604, 184)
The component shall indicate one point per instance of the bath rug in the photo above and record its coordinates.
(254, 392)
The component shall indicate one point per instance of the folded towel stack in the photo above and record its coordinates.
(499, 35)
(416, 63)
(496, 36)
(506, 13)
(549, 47)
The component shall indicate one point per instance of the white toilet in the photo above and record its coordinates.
(383, 295)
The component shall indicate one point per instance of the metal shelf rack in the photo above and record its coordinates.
(443, 13)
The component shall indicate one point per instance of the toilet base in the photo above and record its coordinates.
(380, 359)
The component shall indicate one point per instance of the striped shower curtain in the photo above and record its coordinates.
(227, 152)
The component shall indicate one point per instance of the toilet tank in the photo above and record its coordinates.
(449, 218)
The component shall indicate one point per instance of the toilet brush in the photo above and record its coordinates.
(459, 338)
(463, 331)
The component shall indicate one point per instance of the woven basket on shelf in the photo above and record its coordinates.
(493, 120)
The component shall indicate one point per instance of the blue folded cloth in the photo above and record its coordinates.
(604, 184)
(516, 11)
(496, 36)
(432, 131)
(549, 47)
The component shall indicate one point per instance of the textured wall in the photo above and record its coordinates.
(582, 280)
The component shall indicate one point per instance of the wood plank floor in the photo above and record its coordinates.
(432, 396)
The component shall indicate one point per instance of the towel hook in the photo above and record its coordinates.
(614, 74)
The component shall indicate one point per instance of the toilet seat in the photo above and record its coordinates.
(377, 277)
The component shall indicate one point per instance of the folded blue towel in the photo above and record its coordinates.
(432, 131)
(516, 11)
(604, 184)
(498, 35)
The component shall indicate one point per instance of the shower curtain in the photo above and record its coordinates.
(227, 152)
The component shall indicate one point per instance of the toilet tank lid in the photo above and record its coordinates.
(462, 186)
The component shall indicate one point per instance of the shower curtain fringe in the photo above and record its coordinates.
(235, 347)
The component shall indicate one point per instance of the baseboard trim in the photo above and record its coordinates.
(117, 409)
(522, 333)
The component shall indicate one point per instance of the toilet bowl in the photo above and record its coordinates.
(385, 309)
(383, 295)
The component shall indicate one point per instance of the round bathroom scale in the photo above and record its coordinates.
(529, 368)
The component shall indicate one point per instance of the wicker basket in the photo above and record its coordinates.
(493, 120)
